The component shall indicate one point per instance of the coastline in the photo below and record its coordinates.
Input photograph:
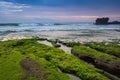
(76, 36)
(82, 36)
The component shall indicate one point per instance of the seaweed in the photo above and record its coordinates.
(101, 60)
(48, 58)
(110, 48)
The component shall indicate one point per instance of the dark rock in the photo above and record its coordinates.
(114, 22)
(41, 39)
(58, 24)
(102, 21)
(57, 45)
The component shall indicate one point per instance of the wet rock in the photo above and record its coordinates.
(41, 39)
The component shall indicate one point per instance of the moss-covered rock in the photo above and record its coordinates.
(110, 48)
(46, 59)
(101, 60)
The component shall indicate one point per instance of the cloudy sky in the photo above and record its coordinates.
(58, 10)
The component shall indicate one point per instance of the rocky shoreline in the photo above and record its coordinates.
(45, 37)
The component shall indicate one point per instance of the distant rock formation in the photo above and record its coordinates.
(9, 24)
(114, 22)
(104, 21)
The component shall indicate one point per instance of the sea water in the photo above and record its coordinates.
(36, 27)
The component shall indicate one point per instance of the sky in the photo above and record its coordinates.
(19, 11)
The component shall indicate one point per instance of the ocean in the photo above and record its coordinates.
(36, 27)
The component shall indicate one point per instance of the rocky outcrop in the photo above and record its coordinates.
(112, 68)
(104, 21)
(114, 22)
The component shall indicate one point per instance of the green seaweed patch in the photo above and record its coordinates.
(10, 68)
(110, 48)
(101, 60)
(10, 63)
(48, 58)
(95, 54)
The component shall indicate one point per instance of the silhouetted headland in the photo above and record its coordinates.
(105, 21)
(9, 24)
